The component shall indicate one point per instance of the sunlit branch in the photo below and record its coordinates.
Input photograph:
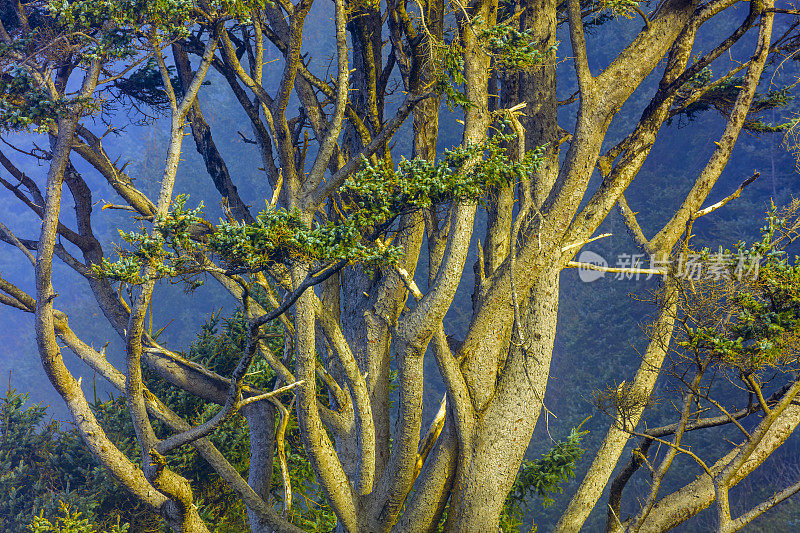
(268, 395)
(8, 236)
(710, 209)
(617, 270)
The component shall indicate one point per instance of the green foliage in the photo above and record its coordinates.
(70, 521)
(281, 236)
(513, 49)
(762, 302)
(697, 81)
(609, 10)
(451, 75)
(382, 193)
(29, 469)
(44, 468)
(541, 478)
(116, 29)
(375, 197)
(24, 104)
(54, 485)
(621, 8)
(277, 236)
(240, 9)
(168, 249)
(173, 17)
(700, 93)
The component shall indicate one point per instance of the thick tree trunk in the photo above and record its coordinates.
(487, 469)
(538, 89)
(261, 423)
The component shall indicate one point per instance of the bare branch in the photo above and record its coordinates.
(762, 508)
(315, 175)
(734, 195)
(380, 140)
(632, 224)
(599, 268)
(269, 395)
(578, 39)
(9, 236)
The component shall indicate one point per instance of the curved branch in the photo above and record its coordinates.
(377, 143)
(578, 39)
(315, 175)
(358, 389)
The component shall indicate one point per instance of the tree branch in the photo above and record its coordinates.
(578, 40)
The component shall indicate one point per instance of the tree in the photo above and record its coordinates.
(335, 256)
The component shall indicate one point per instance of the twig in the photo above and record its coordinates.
(732, 196)
(276, 192)
(589, 266)
(268, 395)
(16, 242)
(245, 139)
(410, 283)
(582, 243)
(280, 441)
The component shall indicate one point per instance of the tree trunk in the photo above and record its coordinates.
(487, 469)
